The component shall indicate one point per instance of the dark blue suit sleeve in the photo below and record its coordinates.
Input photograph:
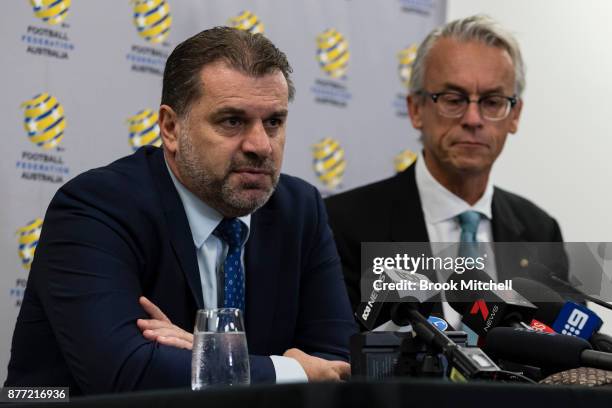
(88, 275)
(326, 320)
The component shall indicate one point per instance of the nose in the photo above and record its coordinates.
(257, 140)
(472, 118)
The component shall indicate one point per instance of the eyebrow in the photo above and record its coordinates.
(460, 89)
(229, 111)
(242, 112)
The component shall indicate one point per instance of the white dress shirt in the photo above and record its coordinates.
(211, 253)
(441, 208)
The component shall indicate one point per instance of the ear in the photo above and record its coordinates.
(515, 114)
(415, 110)
(170, 127)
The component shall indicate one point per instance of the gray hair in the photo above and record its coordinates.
(480, 28)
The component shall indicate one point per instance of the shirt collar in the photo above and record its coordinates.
(439, 204)
(202, 218)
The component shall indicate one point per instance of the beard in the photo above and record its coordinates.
(230, 199)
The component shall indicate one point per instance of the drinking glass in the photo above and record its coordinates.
(220, 355)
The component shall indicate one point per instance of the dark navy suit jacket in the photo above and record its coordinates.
(120, 231)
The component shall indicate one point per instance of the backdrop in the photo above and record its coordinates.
(81, 83)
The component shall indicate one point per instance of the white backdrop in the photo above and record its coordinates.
(560, 157)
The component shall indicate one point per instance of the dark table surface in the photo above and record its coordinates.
(397, 393)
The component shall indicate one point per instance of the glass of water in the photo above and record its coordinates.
(220, 355)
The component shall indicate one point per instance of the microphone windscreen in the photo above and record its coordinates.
(542, 273)
(580, 376)
(535, 348)
(601, 342)
(548, 302)
(463, 299)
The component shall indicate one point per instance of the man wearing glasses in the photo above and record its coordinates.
(465, 97)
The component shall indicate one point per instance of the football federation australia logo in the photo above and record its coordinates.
(144, 129)
(152, 19)
(52, 12)
(44, 120)
(403, 160)
(329, 162)
(28, 239)
(406, 58)
(333, 53)
(247, 21)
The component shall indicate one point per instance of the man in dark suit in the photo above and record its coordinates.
(466, 87)
(154, 224)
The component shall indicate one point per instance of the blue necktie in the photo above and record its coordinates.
(233, 232)
(468, 247)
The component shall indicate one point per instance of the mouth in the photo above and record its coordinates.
(253, 170)
(253, 176)
(469, 144)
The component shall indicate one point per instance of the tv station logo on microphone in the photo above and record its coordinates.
(577, 320)
(50, 40)
(143, 129)
(27, 240)
(333, 56)
(405, 58)
(45, 124)
(153, 21)
(329, 164)
(247, 21)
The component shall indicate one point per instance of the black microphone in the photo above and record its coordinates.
(601, 342)
(545, 350)
(548, 302)
(543, 274)
(483, 310)
(470, 362)
(551, 309)
(367, 313)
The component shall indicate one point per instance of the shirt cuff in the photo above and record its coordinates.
(288, 370)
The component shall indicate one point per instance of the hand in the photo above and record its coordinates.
(318, 369)
(159, 328)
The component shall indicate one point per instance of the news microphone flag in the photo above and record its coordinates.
(577, 320)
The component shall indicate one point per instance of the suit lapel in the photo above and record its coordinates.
(507, 228)
(407, 222)
(262, 267)
(180, 235)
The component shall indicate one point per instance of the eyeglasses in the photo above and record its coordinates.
(454, 104)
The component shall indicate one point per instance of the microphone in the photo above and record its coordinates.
(564, 317)
(548, 351)
(577, 320)
(543, 274)
(492, 308)
(468, 362)
(545, 299)
(601, 342)
(367, 313)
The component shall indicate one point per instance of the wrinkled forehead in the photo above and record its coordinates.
(470, 66)
(226, 91)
